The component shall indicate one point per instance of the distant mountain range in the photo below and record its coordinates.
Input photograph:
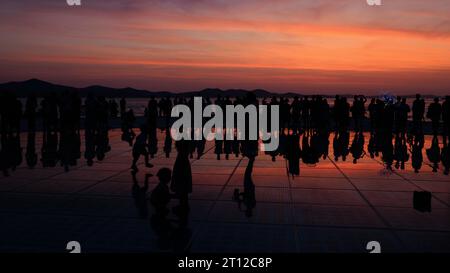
(42, 88)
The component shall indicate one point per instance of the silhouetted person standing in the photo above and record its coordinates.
(402, 117)
(140, 148)
(434, 114)
(418, 111)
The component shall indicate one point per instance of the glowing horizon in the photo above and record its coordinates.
(300, 46)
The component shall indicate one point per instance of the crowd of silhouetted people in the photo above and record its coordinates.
(305, 126)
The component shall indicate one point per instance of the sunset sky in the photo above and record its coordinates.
(316, 46)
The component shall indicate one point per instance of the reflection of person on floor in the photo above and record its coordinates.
(168, 143)
(293, 154)
(247, 197)
(416, 152)
(140, 195)
(128, 120)
(160, 196)
(434, 153)
(400, 152)
(140, 148)
(175, 237)
(182, 179)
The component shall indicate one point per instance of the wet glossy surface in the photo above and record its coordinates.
(331, 207)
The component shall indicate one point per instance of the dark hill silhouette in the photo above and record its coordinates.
(42, 88)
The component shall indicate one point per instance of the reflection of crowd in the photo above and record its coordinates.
(305, 126)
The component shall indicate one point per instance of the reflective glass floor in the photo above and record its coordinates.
(331, 207)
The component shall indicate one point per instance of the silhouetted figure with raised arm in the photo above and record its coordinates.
(140, 194)
(434, 153)
(434, 114)
(181, 183)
